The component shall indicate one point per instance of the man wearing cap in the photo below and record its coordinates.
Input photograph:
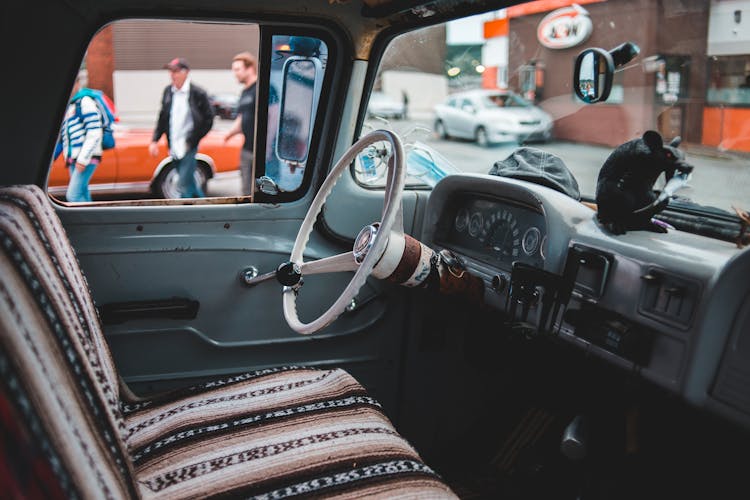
(186, 117)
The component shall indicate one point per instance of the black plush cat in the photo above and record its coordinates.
(626, 180)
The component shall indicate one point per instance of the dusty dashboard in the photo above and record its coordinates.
(495, 231)
(666, 306)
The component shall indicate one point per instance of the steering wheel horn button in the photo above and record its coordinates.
(289, 274)
(364, 241)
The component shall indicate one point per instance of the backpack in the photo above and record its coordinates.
(106, 110)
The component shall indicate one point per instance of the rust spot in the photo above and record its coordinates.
(227, 225)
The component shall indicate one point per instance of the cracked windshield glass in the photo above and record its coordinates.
(468, 95)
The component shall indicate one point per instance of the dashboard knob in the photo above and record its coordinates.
(499, 282)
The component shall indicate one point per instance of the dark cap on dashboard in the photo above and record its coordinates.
(539, 167)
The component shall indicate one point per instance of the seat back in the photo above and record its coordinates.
(59, 396)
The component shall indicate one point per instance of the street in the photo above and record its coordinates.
(720, 179)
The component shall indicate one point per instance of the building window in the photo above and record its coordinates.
(730, 80)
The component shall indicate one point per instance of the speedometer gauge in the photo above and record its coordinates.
(531, 239)
(501, 235)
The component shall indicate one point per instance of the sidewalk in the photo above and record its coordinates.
(714, 152)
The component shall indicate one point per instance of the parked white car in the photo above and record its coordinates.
(385, 106)
(491, 116)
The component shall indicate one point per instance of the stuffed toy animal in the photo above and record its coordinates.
(626, 180)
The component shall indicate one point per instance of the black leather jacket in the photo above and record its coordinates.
(200, 110)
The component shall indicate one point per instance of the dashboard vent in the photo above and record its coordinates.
(734, 376)
(590, 269)
(668, 298)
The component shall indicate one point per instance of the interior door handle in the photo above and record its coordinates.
(174, 308)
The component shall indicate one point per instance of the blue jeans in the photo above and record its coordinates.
(78, 187)
(186, 171)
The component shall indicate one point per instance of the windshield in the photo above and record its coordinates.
(690, 80)
(491, 101)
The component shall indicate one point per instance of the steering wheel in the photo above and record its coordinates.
(377, 249)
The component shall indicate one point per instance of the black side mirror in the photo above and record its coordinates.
(595, 68)
(592, 75)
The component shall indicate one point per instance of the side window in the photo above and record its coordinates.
(166, 109)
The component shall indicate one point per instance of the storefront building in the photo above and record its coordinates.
(666, 86)
(697, 87)
(726, 117)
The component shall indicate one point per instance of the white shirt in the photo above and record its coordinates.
(180, 120)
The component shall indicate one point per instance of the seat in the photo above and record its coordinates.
(70, 429)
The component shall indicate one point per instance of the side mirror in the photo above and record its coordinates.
(302, 79)
(592, 75)
(595, 67)
(469, 108)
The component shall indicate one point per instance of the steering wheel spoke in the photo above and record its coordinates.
(334, 264)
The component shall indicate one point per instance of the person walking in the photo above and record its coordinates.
(245, 69)
(185, 117)
(81, 141)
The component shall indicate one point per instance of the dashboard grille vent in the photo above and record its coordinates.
(734, 377)
(668, 298)
(732, 387)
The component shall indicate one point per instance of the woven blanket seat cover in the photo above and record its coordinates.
(70, 429)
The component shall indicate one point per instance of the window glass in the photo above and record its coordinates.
(178, 99)
(688, 81)
(730, 80)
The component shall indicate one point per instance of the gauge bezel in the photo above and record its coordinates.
(537, 244)
(475, 232)
(462, 214)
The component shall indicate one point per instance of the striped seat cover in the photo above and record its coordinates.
(68, 429)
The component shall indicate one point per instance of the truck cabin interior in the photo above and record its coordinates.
(453, 299)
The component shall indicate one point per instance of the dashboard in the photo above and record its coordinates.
(673, 308)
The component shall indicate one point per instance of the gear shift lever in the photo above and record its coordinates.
(574, 444)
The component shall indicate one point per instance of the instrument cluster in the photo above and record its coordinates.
(495, 231)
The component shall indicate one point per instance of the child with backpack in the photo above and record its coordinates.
(86, 132)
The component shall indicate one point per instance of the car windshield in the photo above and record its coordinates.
(491, 101)
(688, 81)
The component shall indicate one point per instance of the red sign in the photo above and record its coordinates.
(528, 8)
(564, 28)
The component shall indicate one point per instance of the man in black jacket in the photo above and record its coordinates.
(186, 117)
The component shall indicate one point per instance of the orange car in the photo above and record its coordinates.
(129, 168)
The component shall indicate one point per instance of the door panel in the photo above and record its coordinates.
(237, 328)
